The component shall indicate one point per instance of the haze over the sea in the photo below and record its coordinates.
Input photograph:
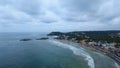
(59, 15)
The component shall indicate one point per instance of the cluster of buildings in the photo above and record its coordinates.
(105, 45)
(111, 47)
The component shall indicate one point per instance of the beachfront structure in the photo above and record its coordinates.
(92, 43)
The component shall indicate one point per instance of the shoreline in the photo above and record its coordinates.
(95, 49)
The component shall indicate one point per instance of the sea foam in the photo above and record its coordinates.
(117, 66)
(77, 51)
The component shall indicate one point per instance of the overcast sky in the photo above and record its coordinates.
(59, 15)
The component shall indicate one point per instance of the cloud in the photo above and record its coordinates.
(81, 5)
(80, 10)
(32, 7)
(10, 15)
(59, 15)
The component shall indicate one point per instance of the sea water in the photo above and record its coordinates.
(47, 53)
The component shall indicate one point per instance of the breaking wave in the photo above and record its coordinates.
(76, 51)
(116, 65)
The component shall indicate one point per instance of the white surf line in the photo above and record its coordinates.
(117, 65)
(76, 51)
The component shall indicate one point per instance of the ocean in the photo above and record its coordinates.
(47, 53)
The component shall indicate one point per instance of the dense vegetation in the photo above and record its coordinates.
(103, 36)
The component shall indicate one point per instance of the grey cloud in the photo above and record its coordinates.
(81, 5)
(89, 14)
(80, 10)
(48, 21)
(108, 11)
(32, 7)
(9, 16)
(103, 11)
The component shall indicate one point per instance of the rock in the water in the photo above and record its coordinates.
(25, 39)
(44, 38)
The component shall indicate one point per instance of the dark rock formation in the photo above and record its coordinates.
(44, 38)
(25, 39)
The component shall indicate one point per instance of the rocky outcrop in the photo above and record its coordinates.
(44, 38)
(25, 39)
